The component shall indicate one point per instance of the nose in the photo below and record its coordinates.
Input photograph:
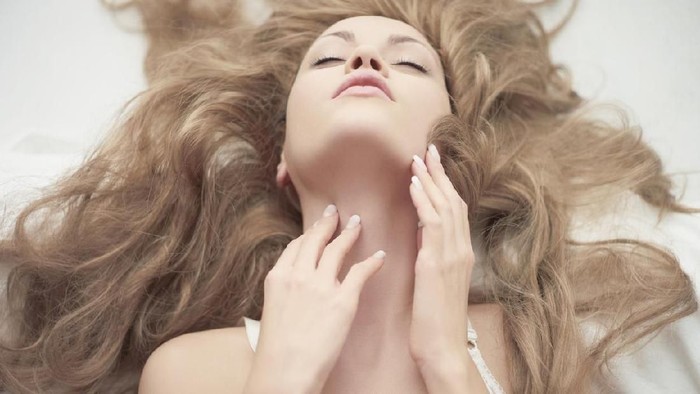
(368, 57)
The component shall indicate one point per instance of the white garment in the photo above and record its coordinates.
(490, 381)
(252, 329)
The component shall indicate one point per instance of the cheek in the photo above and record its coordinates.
(427, 103)
(424, 106)
(304, 108)
(304, 100)
(294, 101)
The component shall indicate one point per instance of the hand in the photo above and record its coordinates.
(443, 266)
(307, 312)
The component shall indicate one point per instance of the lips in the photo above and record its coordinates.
(364, 78)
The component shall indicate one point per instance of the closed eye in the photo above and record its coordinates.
(401, 62)
(325, 59)
(412, 64)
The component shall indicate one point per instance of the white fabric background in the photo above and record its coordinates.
(66, 68)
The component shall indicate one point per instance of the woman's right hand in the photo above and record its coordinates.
(307, 311)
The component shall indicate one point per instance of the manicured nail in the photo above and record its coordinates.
(420, 162)
(330, 209)
(380, 254)
(433, 151)
(353, 222)
(416, 182)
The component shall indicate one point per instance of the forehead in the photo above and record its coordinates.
(373, 24)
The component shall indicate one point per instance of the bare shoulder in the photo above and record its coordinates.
(212, 361)
(487, 320)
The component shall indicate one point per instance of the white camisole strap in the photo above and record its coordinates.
(252, 328)
(473, 348)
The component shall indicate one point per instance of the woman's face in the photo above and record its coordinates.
(323, 127)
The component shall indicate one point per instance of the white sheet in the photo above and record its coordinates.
(670, 363)
(67, 68)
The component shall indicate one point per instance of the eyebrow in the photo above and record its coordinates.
(392, 40)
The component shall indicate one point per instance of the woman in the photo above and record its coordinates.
(169, 231)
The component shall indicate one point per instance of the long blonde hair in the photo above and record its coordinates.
(172, 223)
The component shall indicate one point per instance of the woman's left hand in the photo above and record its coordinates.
(443, 266)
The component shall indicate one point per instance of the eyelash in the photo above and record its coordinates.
(401, 61)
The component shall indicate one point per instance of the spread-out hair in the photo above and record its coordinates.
(171, 224)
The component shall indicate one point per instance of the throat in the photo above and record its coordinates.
(394, 372)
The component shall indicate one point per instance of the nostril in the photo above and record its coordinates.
(357, 63)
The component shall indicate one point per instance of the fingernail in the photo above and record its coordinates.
(353, 222)
(380, 254)
(330, 209)
(433, 151)
(416, 182)
(420, 162)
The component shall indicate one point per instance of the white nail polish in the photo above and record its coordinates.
(420, 162)
(353, 222)
(433, 151)
(380, 254)
(416, 182)
(330, 209)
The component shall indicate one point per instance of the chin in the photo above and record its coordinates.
(357, 120)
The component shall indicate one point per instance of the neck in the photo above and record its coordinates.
(389, 222)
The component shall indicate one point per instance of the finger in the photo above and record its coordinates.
(420, 170)
(445, 217)
(316, 239)
(360, 272)
(289, 254)
(465, 225)
(334, 255)
(437, 199)
(437, 171)
(426, 213)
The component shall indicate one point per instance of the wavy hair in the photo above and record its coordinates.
(171, 224)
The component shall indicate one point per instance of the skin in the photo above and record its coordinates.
(356, 152)
(336, 161)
